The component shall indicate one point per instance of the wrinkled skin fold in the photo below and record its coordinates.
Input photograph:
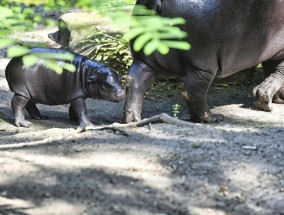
(226, 36)
(40, 84)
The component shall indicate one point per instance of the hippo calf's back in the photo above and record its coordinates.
(42, 85)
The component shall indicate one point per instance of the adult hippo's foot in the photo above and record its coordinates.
(194, 93)
(271, 89)
(207, 118)
(139, 80)
(279, 96)
(264, 93)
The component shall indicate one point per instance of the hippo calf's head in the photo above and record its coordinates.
(105, 84)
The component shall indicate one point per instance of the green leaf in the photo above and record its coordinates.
(177, 21)
(54, 66)
(182, 45)
(57, 56)
(37, 18)
(140, 42)
(16, 51)
(163, 49)
(134, 32)
(17, 9)
(151, 47)
(30, 60)
(69, 67)
(5, 42)
(5, 12)
(4, 32)
(28, 11)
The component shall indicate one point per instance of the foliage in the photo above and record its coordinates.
(175, 110)
(103, 5)
(152, 32)
(149, 31)
(18, 17)
(109, 48)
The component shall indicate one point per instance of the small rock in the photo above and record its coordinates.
(253, 147)
(147, 190)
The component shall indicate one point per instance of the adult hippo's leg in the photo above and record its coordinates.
(194, 93)
(271, 88)
(33, 111)
(78, 106)
(18, 105)
(139, 80)
(279, 96)
(72, 114)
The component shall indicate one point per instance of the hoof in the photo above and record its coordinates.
(131, 117)
(84, 127)
(208, 118)
(215, 118)
(23, 123)
(41, 118)
(265, 106)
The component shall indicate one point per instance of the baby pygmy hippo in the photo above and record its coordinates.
(40, 84)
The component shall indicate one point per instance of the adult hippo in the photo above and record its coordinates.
(40, 84)
(226, 36)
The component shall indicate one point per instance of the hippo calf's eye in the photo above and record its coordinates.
(110, 80)
(105, 85)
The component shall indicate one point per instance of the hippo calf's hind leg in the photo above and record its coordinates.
(195, 90)
(271, 88)
(18, 105)
(33, 111)
(139, 80)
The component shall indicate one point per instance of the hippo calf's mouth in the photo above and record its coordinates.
(118, 96)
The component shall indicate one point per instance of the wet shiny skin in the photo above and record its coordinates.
(40, 84)
(226, 36)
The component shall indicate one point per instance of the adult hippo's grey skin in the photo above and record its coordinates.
(40, 84)
(226, 36)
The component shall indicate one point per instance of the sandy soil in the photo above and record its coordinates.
(234, 167)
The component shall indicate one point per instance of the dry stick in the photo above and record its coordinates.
(165, 118)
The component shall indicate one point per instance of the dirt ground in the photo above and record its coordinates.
(235, 167)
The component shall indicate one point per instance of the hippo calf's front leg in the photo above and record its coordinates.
(194, 93)
(138, 81)
(78, 110)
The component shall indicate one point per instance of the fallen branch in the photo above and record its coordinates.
(161, 118)
(122, 128)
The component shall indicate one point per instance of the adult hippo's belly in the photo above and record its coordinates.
(226, 36)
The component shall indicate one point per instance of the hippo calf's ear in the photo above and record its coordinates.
(54, 36)
(92, 78)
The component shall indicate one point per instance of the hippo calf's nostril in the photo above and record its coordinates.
(120, 93)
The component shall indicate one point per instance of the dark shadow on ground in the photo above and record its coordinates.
(195, 163)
